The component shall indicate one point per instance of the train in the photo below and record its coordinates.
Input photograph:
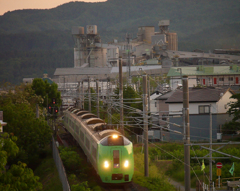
(109, 152)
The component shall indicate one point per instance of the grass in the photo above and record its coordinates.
(48, 173)
(156, 180)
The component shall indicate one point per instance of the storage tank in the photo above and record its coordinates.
(140, 34)
(149, 32)
(145, 33)
(92, 29)
(172, 41)
(77, 30)
(79, 57)
(76, 58)
(98, 57)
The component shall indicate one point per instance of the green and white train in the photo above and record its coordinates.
(110, 153)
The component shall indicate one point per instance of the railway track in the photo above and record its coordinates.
(69, 141)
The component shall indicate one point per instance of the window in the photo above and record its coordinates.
(203, 109)
(230, 78)
(94, 152)
(116, 163)
(155, 104)
(87, 144)
(221, 79)
(81, 136)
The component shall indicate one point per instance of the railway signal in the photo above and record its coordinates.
(49, 109)
(54, 101)
(55, 110)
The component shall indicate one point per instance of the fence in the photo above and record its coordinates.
(60, 167)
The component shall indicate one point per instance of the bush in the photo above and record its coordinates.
(70, 158)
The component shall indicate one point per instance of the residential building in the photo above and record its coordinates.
(202, 103)
(205, 75)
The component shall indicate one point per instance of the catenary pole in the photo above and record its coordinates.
(145, 122)
(89, 96)
(210, 151)
(187, 178)
(97, 90)
(121, 95)
(82, 95)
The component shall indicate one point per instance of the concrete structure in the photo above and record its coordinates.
(66, 75)
(145, 33)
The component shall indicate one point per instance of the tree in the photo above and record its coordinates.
(18, 177)
(234, 125)
(46, 91)
(130, 98)
(33, 133)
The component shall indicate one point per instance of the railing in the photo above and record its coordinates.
(60, 167)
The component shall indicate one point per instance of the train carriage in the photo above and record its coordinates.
(110, 153)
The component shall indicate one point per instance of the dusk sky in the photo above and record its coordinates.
(10, 5)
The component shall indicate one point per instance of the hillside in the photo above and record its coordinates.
(39, 34)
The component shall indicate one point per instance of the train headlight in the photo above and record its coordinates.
(115, 136)
(126, 163)
(106, 164)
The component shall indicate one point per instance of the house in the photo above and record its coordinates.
(205, 75)
(153, 102)
(201, 102)
(162, 108)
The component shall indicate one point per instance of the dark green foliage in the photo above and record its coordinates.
(32, 41)
(18, 177)
(234, 125)
(71, 159)
(19, 112)
(46, 91)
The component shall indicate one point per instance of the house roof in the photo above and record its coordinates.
(164, 96)
(198, 95)
(201, 70)
(48, 80)
(103, 70)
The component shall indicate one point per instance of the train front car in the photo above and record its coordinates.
(115, 158)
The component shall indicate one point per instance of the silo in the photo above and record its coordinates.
(76, 58)
(172, 41)
(98, 57)
(140, 34)
(148, 33)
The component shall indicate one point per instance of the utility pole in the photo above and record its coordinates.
(121, 95)
(97, 90)
(145, 111)
(129, 64)
(210, 151)
(82, 104)
(89, 96)
(79, 91)
(109, 102)
(187, 178)
(149, 99)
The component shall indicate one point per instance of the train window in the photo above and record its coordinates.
(94, 152)
(116, 163)
(87, 144)
(77, 129)
(118, 141)
(81, 136)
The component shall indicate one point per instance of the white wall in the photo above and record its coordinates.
(193, 108)
(153, 106)
(192, 81)
(223, 101)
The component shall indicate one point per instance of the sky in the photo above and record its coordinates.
(11, 5)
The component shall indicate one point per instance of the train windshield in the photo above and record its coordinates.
(115, 141)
